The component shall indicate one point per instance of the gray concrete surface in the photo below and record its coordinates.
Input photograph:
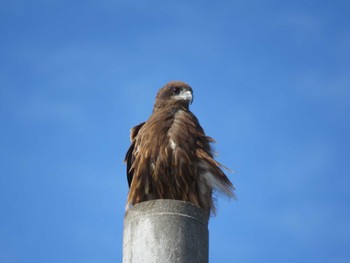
(165, 231)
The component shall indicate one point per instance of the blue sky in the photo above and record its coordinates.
(271, 84)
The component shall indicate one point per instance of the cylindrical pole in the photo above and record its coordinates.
(165, 231)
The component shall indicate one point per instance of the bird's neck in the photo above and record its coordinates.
(171, 108)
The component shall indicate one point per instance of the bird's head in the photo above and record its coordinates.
(174, 94)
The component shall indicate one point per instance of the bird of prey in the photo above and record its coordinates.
(170, 156)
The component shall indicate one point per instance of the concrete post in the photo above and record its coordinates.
(165, 231)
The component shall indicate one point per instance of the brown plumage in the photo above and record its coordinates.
(170, 156)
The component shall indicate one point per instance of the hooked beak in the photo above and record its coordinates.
(186, 95)
(189, 96)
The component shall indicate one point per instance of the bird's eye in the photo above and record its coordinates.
(176, 90)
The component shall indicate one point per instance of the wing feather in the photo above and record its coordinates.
(129, 157)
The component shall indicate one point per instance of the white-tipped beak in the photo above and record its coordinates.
(185, 95)
(188, 96)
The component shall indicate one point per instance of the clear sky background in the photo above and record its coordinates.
(271, 81)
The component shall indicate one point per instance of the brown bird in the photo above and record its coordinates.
(170, 156)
